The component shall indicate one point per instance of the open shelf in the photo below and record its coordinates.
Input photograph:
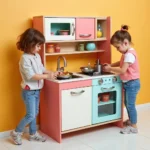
(74, 52)
(103, 27)
(106, 103)
(63, 41)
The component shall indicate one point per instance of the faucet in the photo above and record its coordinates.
(58, 63)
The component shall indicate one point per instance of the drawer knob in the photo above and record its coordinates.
(100, 81)
(114, 79)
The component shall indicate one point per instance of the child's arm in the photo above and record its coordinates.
(117, 70)
(48, 71)
(116, 64)
(40, 76)
(128, 59)
(47, 74)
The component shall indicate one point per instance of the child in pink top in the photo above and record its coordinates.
(128, 69)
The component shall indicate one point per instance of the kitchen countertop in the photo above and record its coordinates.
(83, 77)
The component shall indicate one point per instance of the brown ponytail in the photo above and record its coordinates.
(121, 35)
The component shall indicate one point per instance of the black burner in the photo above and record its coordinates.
(96, 73)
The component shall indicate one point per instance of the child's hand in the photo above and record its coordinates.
(105, 64)
(52, 75)
(106, 67)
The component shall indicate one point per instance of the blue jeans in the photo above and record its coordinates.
(31, 100)
(131, 90)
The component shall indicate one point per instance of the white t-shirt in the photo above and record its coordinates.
(129, 57)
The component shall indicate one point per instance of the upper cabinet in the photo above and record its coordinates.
(85, 28)
(74, 35)
(59, 28)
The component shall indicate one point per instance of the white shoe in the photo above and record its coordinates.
(16, 136)
(37, 137)
(129, 130)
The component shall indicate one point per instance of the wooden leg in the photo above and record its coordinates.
(119, 124)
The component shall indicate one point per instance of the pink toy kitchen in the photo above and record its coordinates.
(82, 96)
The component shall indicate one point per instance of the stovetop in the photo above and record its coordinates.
(95, 74)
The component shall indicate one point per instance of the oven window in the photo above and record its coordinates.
(106, 103)
(106, 110)
(62, 29)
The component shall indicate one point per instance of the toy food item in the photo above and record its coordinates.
(105, 97)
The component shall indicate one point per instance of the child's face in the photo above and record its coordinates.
(36, 48)
(122, 47)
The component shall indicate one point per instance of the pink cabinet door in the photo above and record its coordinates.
(85, 28)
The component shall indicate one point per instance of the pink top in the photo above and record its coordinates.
(133, 69)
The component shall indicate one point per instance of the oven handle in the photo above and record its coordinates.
(85, 35)
(107, 89)
(73, 29)
(77, 93)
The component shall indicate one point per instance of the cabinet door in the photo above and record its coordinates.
(85, 28)
(54, 27)
(76, 108)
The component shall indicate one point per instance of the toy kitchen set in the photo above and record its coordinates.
(84, 97)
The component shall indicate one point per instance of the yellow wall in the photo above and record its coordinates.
(15, 17)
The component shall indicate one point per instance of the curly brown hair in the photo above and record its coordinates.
(28, 40)
(121, 35)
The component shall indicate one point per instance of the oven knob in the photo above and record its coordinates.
(100, 81)
(114, 79)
